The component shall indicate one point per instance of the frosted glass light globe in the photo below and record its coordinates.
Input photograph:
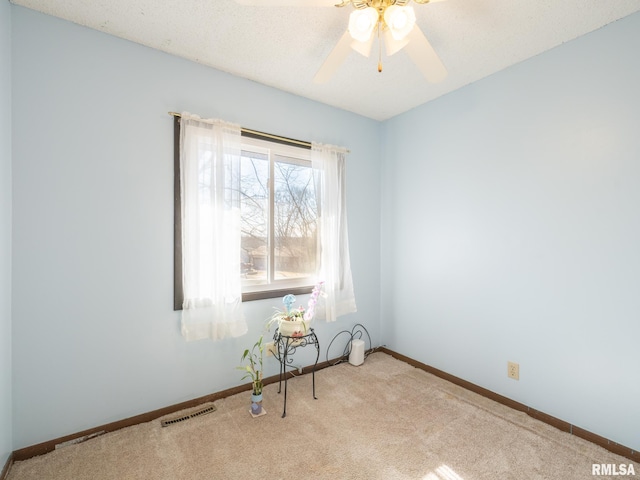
(362, 23)
(400, 20)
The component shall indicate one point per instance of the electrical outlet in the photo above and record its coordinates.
(513, 370)
(270, 348)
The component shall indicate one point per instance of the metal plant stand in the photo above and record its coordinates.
(285, 348)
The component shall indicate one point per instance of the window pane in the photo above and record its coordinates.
(294, 219)
(254, 187)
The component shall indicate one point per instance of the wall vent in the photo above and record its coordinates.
(203, 411)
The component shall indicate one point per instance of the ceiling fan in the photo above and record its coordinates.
(392, 21)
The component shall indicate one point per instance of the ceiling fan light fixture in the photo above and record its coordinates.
(362, 22)
(399, 20)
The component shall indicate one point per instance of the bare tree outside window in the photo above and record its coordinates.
(279, 214)
(254, 204)
(294, 220)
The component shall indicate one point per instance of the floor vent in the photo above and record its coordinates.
(204, 411)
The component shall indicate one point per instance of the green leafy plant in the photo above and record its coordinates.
(253, 366)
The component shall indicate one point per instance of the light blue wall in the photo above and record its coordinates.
(6, 443)
(512, 209)
(95, 338)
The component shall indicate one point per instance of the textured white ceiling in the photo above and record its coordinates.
(285, 46)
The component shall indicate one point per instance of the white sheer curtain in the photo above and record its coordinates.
(210, 197)
(329, 171)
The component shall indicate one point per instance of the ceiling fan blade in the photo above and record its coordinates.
(289, 3)
(391, 44)
(364, 48)
(425, 57)
(338, 55)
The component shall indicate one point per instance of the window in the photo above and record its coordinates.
(255, 218)
(278, 218)
(278, 246)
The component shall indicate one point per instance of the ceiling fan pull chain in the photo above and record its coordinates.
(379, 50)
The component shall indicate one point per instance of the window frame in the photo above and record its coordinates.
(280, 288)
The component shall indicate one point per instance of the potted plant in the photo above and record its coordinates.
(253, 370)
(294, 322)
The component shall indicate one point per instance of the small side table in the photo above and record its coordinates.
(286, 347)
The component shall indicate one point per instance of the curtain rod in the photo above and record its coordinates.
(255, 133)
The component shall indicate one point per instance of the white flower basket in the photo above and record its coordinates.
(295, 328)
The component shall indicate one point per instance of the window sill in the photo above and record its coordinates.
(250, 296)
(263, 295)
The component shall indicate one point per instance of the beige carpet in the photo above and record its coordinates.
(382, 420)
